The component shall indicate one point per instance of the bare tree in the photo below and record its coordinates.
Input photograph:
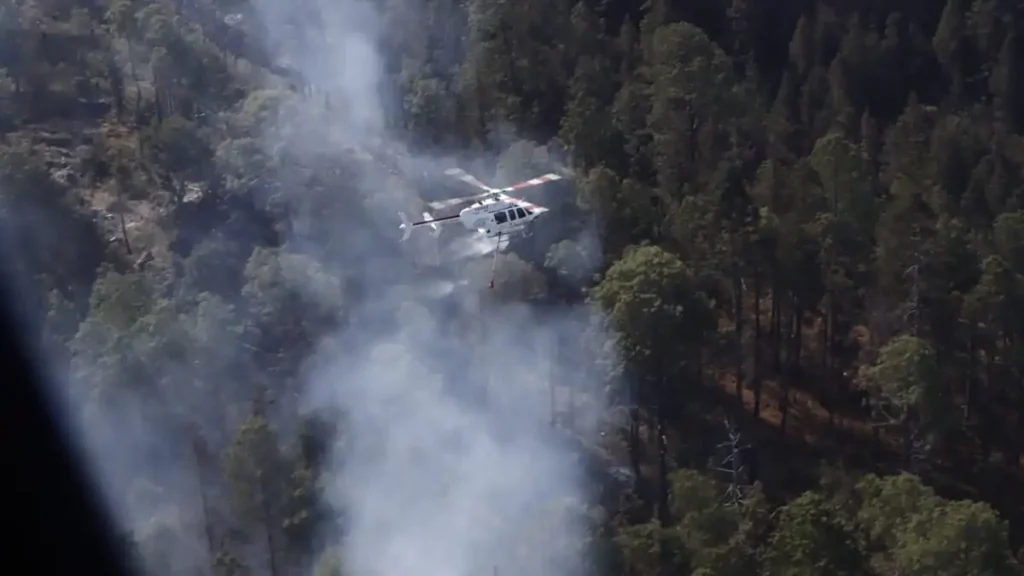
(732, 465)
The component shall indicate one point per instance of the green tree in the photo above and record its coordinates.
(258, 478)
(624, 209)
(651, 299)
(721, 539)
(813, 537)
(910, 530)
(951, 47)
(886, 505)
(290, 301)
(586, 127)
(695, 101)
(1007, 86)
(649, 549)
(963, 538)
(181, 149)
(906, 378)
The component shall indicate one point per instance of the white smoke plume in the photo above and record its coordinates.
(447, 465)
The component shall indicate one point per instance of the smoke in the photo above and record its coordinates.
(474, 245)
(450, 470)
(447, 464)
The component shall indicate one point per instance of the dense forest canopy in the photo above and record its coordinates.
(770, 325)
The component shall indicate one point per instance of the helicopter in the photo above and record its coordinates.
(492, 213)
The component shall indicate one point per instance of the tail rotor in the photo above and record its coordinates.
(405, 226)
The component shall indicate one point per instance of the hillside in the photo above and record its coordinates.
(768, 327)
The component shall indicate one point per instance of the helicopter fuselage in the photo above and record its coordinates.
(494, 217)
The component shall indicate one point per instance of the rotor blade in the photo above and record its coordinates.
(533, 182)
(441, 204)
(467, 178)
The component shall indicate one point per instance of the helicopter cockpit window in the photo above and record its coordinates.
(520, 213)
(511, 214)
(500, 217)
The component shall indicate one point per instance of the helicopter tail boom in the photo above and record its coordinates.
(428, 220)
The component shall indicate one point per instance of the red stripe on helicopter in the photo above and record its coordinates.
(531, 182)
(535, 181)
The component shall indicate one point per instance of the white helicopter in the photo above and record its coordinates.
(493, 213)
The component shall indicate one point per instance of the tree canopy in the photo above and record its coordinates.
(805, 220)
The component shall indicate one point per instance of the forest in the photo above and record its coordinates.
(766, 328)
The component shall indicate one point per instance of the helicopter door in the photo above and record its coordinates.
(500, 217)
(512, 215)
(520, 212)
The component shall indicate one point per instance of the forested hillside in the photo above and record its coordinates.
(769, 326)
